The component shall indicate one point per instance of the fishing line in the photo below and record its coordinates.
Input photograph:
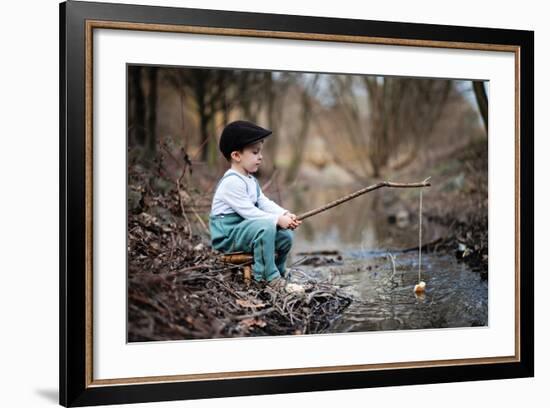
(420, 238)
(420, 287)
(420, 234)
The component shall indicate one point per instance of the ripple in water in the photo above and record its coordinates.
(455, 296)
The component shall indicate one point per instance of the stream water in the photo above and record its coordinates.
(362, 237)
(455, 296)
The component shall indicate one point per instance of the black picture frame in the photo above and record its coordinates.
(77, 386)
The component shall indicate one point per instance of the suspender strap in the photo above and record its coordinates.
(257, 191)
(228, 175)
(245, 183)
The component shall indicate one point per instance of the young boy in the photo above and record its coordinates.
(242, 217)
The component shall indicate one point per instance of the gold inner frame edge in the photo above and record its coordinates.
(91, 24)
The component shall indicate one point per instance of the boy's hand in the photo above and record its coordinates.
(294, 222)
(284, 221)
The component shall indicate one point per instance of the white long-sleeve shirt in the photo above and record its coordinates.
(237, 194)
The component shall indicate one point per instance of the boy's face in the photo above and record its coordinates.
(250, 158)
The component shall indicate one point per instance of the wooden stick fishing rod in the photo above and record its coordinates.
(351, 196)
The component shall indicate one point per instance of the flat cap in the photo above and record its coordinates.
(239, 134)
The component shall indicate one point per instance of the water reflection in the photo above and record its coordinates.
(357, 223)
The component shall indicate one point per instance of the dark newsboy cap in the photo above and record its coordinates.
(239, 134)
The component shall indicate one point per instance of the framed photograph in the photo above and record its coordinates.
(264, 203)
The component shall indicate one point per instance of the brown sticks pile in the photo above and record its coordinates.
(178, 288)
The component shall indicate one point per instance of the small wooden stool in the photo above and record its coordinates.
(239, 258)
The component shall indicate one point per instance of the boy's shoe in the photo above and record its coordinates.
(277, 283)
(281, 284)
(295, 288)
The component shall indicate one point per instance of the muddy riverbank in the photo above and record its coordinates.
(178, 287)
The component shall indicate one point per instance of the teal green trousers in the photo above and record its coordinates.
(269, 243)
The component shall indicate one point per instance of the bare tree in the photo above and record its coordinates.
(300, 138)
(136, 102)
(208, 94)
(381, 116)
(482, 102)
(351, 126)
(151, 110)
(276, 89)
(142, 110)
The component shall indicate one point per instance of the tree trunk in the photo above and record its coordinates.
(300, 144)
(200, 94)
(151, 122)
(482, 102)
(136, 118)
